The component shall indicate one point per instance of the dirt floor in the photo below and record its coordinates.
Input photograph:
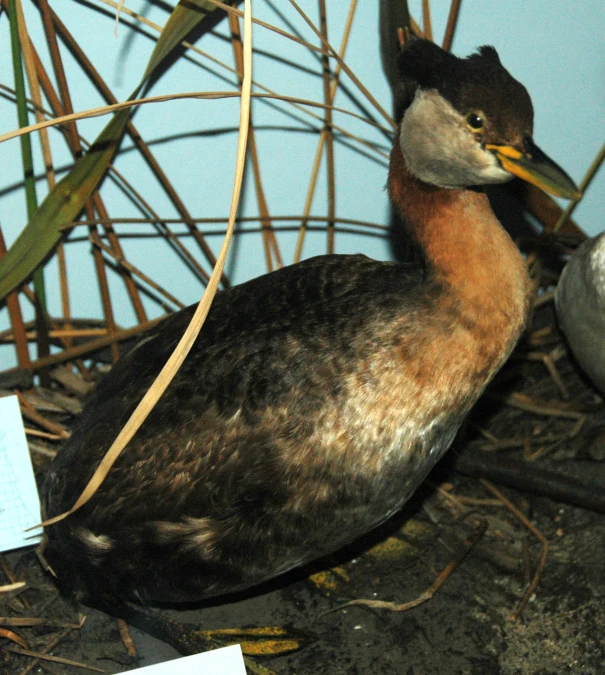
(467, 626)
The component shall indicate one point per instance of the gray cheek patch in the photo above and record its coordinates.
(439, 149)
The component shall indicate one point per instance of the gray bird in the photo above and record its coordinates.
(580, 303)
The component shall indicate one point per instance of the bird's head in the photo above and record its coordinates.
(471, 123)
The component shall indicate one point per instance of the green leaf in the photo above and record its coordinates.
(27, 159)
(184, 18)
(62, 205)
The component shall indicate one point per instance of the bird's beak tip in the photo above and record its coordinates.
(534, 166)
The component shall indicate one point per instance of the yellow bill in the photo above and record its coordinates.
(535, 167)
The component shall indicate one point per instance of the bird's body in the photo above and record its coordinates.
(580, 303)
(313, 404)
(316, 398)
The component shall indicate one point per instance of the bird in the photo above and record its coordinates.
(580, 307)
(317, 397)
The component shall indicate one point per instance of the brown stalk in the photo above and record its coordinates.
(77, 149)
(523, 402)
(344, 66)
(36, 97)
(103, 284)
(448, 38)
(16, 319)
(546, 210)
(549, 363)
(309, 199)
(446, 572)
(257, 84)
(63, 282)
(131, 269)
(35, 621)
(42, 434)
(50, 646)
(61, 321)
(118, 252)
(88, 347)
(13, 637)
(16, 586)
(240, 219)
(6, 336)
(322, 139)
(126, 638)
(583, 186)
(72, 138)
(186, 342)
(426, 20)
(269, 239)
(48, 657)
(43, 345)
(510, 443)
(327, 129)
(10, 575)
(31, 414)
(139, 143)
(534, 530)
(55, 54)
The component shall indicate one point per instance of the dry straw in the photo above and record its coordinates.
(180, 353)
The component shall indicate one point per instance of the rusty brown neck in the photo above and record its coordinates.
(465, 246)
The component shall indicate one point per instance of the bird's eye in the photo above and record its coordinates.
(474, 122)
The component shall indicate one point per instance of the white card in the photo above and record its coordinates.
(223, 661)
(19, 501)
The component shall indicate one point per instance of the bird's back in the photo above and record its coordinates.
(266, 450)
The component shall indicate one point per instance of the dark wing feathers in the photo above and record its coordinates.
(284, 339)
(290, 330)
(317, 298)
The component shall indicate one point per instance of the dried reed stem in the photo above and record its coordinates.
(536, 532)
(131, 269)
(238, 12)
(178, 356)
(16, 320)
(426, 20)
(131, 130)
(202, 95)
(590, 174)
(327, 129)
(269, 239)
(322, 139)
(89, 347)
(346, 68)
(451, 25)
